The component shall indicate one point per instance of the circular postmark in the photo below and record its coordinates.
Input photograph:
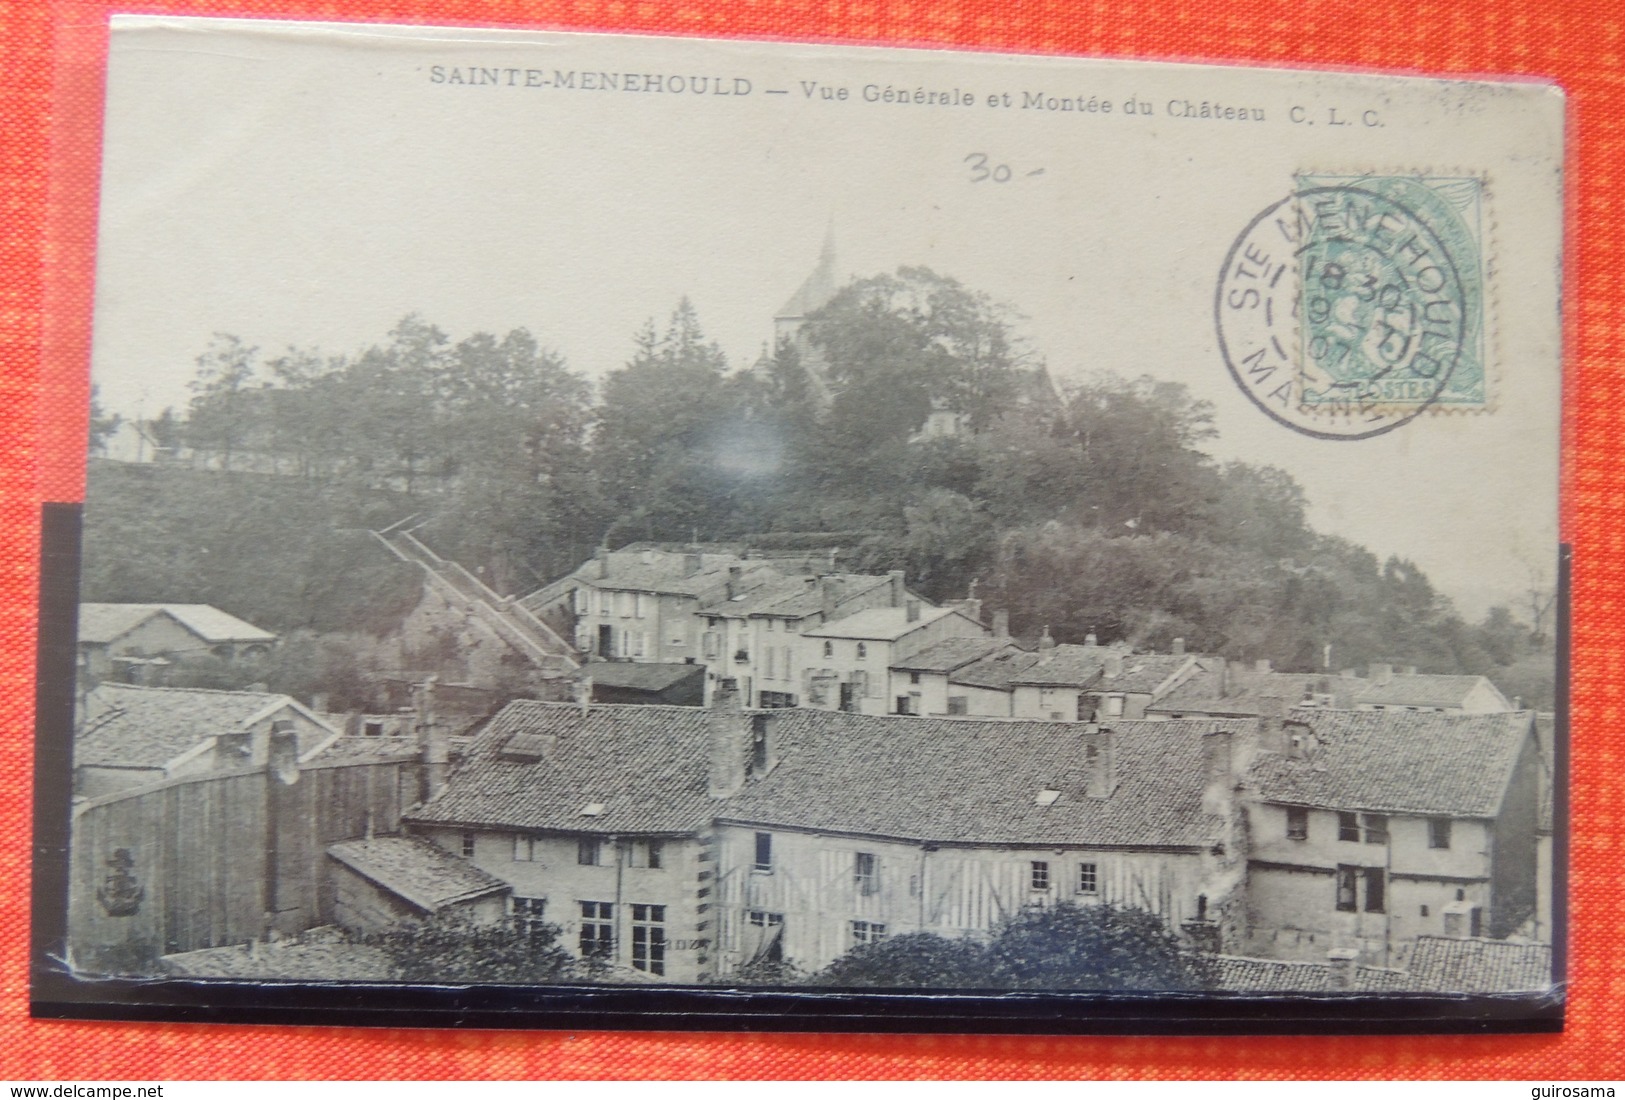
(1341, 313)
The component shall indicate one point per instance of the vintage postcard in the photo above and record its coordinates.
(653, 518)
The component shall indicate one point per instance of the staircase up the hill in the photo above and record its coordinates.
(513, 622)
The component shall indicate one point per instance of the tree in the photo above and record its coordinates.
(102, 423)
(919, 960)
(1064, 946)
(1096, 947)
(452, 947)
(223, 411)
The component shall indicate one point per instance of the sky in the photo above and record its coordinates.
(310, 186)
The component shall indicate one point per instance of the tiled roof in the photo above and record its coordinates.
(1204, 690)
(1069, 665)
(1480, 965)
(1422, 690)
(357, 749)
(879, 624)
(420, 872)
(321, 955)
(645, 764)
(129, 726)
(1144, 673)
(796, 597)
(1398, 762)
(995, 671)
(1238, 974)
(669, 576)
(956, 780)
(950, 654)
(643, 676)
(101, 623)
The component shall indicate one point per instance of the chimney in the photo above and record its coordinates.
(897, 586)
(432, 743)
(1224, 678)
(583, 694)
(1179, 647)
(1298, 740)
(282, 755)
(830, 589)
(763, 747)
(692, 564)
(601, 556)
(1342, 961)
(1263, 664)
(1114, 665)
(1088, 639)
(1218, 757)
(1001, 624)
(1099, 757)
(318, 701)
(1271, 712)
(731, 740)
(1381, 674)
(912, 610)
(1047, 640)
(1202, 933)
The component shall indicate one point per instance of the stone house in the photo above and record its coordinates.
(847, 664)
(597, 820)
(835, 830)
(117, 639)
(753, 637)
(1371, 829)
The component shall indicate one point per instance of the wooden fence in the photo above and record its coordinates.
(222, 858)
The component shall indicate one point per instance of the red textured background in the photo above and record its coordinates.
(1581, 45)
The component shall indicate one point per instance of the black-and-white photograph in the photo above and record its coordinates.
(583, 510)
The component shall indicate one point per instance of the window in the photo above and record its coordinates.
(865, 931)
(1375, 827)
(958, 704)
(527, 915)
(597, 929)
(1346, 886)
(1040, 876)
(909, 704)
(640, 643)
(646, 853)
(764, 854)
(865, 873)
(649, 938)
(1114, 706)
(1088, 878)
(1438, 832)
(589, 851)
(766, 939)
(1348, 827)
(1297, 823)
(829, 649)
(712, 645)
(863, 651)
(1374, 883)
(914, 677)
(372, 728)
(468, 845)
(771, 672)
(526, 849)
(1351, 880)
(638, 605)
(777, 700)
